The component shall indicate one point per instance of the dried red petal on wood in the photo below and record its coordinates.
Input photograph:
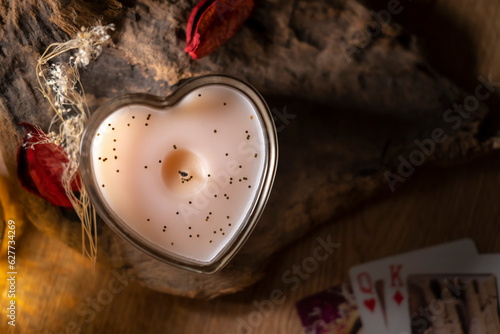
(39, 170)
(212, 23)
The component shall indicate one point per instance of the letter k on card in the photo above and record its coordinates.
(397, 283)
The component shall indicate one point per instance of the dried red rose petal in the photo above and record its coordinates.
(39, 170)
(212, 23)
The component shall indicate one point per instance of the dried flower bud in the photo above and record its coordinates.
(213, 22)
(40, 164)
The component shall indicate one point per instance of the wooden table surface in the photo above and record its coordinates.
(56, 292)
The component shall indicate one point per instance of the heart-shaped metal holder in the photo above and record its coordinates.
(184, 178)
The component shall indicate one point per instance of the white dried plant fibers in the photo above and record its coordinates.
(183, 178)
(60, 84)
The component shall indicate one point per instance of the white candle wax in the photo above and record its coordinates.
(184, 177)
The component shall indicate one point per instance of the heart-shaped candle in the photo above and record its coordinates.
(185, 178)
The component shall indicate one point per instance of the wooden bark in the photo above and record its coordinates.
(352, 120)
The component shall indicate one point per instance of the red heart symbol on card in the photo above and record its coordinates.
(370, 304)
(186, 177)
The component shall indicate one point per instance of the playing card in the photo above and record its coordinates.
(396, 292)
(366, 276)
(461, 303)
(465, 301)
(397, 296)
(380, 290)
(333, 311)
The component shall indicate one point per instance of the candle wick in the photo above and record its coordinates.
(184, 176)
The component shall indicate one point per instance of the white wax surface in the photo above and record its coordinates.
(190, 218)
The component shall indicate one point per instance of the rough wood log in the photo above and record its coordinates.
(352, 116)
